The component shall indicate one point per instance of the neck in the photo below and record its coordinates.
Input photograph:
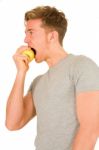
(56, 56)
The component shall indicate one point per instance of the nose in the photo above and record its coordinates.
(26, 39)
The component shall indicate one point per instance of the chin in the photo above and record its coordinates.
(38, 60)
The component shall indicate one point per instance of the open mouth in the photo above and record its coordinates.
(33, 51)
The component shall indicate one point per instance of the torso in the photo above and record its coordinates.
(54, 98)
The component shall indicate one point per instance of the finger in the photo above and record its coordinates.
(21, 49)
(18, 57)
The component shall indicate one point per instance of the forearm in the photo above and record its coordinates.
(85, 140)
(15, 105)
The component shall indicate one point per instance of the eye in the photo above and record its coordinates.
(31, 32)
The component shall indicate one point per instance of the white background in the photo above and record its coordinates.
(81, 38)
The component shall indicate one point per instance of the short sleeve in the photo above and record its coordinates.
(30, 87)
(33, 84)
(86, 74)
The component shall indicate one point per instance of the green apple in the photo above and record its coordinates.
(29, 53)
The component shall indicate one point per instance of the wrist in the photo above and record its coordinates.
(21, 73)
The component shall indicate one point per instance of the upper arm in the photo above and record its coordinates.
(29, 108)
(88, 109)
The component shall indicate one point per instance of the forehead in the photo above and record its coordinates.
(33, 24)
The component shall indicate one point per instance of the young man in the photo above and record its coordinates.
(66, 98)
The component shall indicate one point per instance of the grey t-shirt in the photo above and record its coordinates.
(54, 95)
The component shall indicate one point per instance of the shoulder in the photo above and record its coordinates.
(85, 73)
(34, 83)
(81, 62)
(36, 80)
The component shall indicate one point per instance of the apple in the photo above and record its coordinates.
(29, 53)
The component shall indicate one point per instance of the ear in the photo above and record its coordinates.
(53, 36)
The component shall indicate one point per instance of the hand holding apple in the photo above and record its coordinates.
(29, 53)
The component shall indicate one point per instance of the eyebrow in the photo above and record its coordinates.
(29, 30)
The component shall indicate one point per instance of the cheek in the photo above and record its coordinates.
(39, 42)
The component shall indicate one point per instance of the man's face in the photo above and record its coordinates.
(37, 38)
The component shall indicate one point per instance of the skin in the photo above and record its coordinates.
(20, 109)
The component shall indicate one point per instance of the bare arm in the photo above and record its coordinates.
(88, 115)
(20, 109)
